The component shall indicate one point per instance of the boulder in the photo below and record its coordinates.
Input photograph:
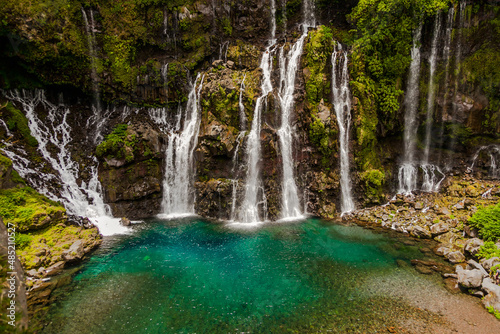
(472, 232)
(75, 252)
(421, 232)
(444, 211)
(455, 257)
(55, 269)
(471, 264)
(419, 206)
(493, 297)
(442, 250)
(439, 228)
(125, 221)
(472, 245)
(469, 278)
(489, 263)
(230, 64)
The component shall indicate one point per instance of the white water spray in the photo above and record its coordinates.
(408, 171)
(178, 195)
(342, 105)
(54, 135)
(254, 194)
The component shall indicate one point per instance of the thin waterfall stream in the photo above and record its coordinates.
(342, 105)
(408, 171)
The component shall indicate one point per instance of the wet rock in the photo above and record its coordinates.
(472, 245)
(419, 205)
(442, 250)
(493, 297)
(459, 206)
(439, 228)
(478, 293)
(471, 264)
(421, 232)
(125, 221)
(469, 278)
(54, 269)
(218, 63)
(32, 273)
(444, 211)
(423, 269)
(323, 112)
(230, 64)
(489, 263)
(75, 252)
(451, 285)
(455, 257)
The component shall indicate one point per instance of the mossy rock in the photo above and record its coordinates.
(29, 210)
(17, 122)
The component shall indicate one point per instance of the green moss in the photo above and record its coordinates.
(118, 144)
(27, 209)
(321, 136)
(16, 121)
(373, 180)
(316, 62)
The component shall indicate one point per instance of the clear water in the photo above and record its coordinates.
(194, 276)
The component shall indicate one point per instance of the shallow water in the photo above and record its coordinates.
(194, 276)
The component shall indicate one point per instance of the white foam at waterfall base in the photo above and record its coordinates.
(80, 199)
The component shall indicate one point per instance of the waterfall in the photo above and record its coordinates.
(308, 12)
(96, 119)
(408, 171)
(342, 105)
(431, 94)
(249, 211)
(243, 119)
(432, 175)
(178, 196)
(494, 153)
(290, 206)
(53, 134)
(235, 171)
(458, 56)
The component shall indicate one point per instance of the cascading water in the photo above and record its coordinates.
(342, 105)
(458, 56)
(408, 171)
(178, 196)
(243, 119)
(432, 175)
(290, 206)
(494, 152)
(53, 134)
(431, 94)
(446, 57)
(249, 211)
(96, 120)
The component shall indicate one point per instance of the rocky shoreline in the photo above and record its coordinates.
(443, 217)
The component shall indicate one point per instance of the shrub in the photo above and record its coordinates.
(487, 221)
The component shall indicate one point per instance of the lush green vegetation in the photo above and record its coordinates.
(487, 221)
(373, 180)
(488, 250)
(27, 209)
(118, 144)
(380, 59)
